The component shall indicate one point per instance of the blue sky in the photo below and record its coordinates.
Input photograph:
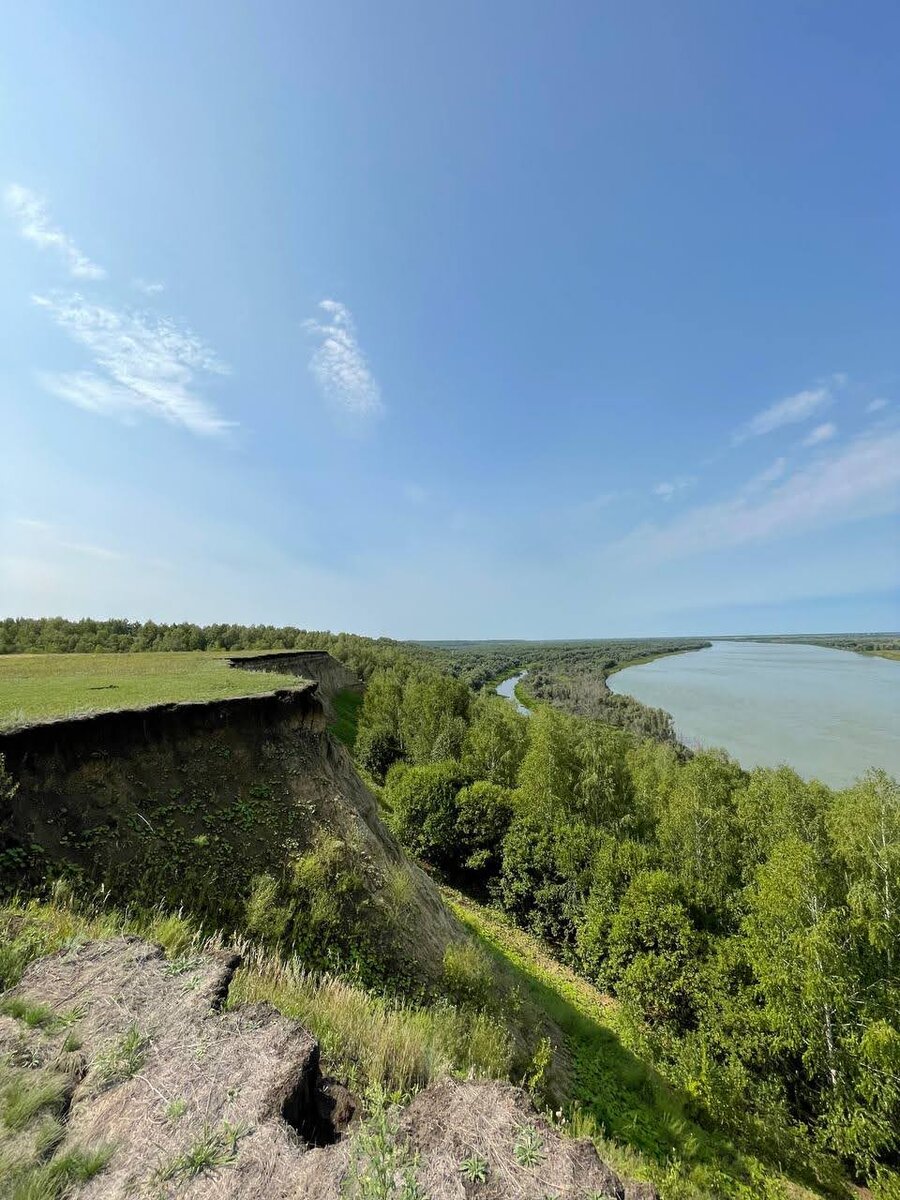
(452, 320)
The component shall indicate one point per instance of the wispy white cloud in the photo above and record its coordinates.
(148, 288)
(143, 365)
(875, 406)
(822, 433)
(46, 534)
(669, 488)
(339, 365)
(789, 411)
(33, 524)
(766, 478)
(92, 551)
(858, 481)
(30, 211)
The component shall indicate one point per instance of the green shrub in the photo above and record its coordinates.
(484, 813)
(377, 748)
(424, 812)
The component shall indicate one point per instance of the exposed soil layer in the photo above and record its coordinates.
(318, 665)
(212, 1104)
(189, 803)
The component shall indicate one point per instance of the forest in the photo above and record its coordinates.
(570, 675)
(748, 922)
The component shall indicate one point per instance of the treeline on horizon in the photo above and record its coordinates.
(570, 675)
(748, 922)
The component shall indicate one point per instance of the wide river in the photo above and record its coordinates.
(830, 714)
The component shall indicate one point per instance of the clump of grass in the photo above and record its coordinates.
(176, 1109)
(468, 978)
(216, 1147)
(372, 1040)
(25, 1093)
(35, 1016)
(121, 1060)
(54, 1179)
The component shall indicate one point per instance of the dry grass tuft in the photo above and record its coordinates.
(369, 1039)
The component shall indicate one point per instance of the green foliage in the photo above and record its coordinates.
(217, 1146)
(323, 908)
(495, 741)
(377, 748)
(434, 718)
(423, 805)
(549, 775)
(347, 705)
(468, 979)
(484, 812)
(120, 1060)
(25, 1093)
(35, 1016)
(652, 945)
(474, 1168)
(381, 1167)
(529, 1147)
(53, 1179)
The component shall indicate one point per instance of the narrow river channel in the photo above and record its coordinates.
(507, 689)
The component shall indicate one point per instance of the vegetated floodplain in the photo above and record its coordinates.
(39, 687)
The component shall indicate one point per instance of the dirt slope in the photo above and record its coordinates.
(193, 1102)
(191, 803)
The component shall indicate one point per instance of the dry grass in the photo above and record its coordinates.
(369, 1039)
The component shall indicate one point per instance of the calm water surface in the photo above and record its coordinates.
(829, 714)
(507, 689)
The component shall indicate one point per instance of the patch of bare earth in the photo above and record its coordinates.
(196, 1102)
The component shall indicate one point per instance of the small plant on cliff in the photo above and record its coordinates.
(122, 1060)
(529, 1148)
(381, 1166)
(474, 1169)
(216, 1147)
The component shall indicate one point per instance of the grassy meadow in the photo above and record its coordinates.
(38, 687)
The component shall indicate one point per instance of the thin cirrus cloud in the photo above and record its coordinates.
(141, 365)
(789, 411)
(672, 487)
(858, 481)
(31, 213)
(822, 433)
(149, 288)
(338, 364)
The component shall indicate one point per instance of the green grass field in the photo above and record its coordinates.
(36, 687)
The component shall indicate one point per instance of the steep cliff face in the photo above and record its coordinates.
(317, 665)
(246, 811)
